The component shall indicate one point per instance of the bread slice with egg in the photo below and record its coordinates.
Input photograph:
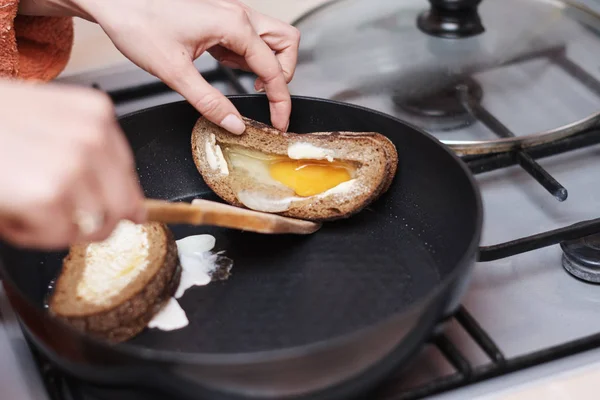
(319, 176)
(112, 289)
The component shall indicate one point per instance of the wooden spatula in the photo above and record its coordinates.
(204, 212)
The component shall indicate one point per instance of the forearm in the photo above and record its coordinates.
(55, 8)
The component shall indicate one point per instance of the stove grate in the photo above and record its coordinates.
(467, 374)
(558, 56)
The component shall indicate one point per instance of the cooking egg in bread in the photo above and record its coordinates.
(268, 182)
(303, 177)
(319, 176)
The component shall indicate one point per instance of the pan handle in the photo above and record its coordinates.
(534, 242)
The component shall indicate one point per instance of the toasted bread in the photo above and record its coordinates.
(373, 158)
(113, 289)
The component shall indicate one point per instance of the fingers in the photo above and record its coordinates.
(24, 236)
(33, 232)
(269, 48)
(261, 60)
(49, 225)
(87, 200)
(284, 40)
(72, 161)
(54, 224)
(114, 187)
(130, 195)
(232, 60)
(228, 58)
(100, 187)
(211, 103)
(113, 193)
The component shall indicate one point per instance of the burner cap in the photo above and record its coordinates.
(581, 258)
(442, 109)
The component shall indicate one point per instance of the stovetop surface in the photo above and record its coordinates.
(526, 303)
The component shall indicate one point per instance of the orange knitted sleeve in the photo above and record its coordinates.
(33, 48)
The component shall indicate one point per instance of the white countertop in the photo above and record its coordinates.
(93, 51)
(579, 384)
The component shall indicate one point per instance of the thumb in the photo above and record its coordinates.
(211, 103)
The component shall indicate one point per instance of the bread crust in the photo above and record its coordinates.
(374, 154)
(392, 155)
(129, 312)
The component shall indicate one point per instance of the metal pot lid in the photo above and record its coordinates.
(473, 73)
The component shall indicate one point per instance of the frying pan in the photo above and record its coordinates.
(325, 316)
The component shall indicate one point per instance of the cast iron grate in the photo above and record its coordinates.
(498, 365)
(61, 387)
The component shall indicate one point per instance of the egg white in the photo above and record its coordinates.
(255, 165)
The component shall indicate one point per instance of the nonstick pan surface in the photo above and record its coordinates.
(291, 297)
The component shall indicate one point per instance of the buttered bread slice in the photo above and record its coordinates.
(317, 176)
(112, 289)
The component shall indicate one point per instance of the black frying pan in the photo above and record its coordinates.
(324, 316)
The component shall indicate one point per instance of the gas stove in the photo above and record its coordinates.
(532, 311)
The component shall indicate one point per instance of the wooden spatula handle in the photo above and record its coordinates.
(173, 213)
(255, 221)
(203, 212)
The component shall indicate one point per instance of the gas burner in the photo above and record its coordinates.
(444, 109)
(581, 258)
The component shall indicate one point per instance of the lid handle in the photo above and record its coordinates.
(452, 19)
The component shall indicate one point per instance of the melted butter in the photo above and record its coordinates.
(131, 267)
(305, 177)
(114, 263)
(197, 262)
(170, 317)
(198, 267)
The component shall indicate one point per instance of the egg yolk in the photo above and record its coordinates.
(309, 177)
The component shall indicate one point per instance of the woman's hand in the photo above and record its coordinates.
(164, 37)
(64, 160)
